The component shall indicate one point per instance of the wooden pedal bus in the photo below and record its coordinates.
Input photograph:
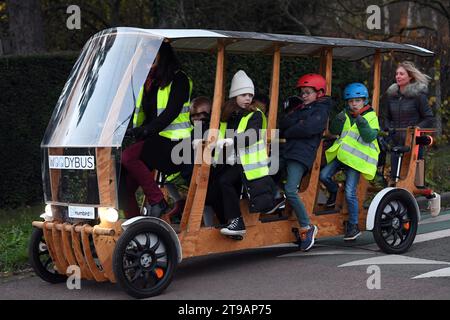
(81, 152)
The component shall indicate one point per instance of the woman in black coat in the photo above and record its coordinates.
(153, 148)
(405, 104)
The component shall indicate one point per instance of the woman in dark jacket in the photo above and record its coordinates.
(405, 104)
(158, 127)
(303, 127)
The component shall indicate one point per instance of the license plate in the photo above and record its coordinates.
(81, 212)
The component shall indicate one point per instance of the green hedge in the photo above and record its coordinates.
(30, 87)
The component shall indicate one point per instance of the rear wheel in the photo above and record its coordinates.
(145, 259)
(396, 222)
(40, 259)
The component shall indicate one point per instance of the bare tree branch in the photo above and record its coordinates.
(285, 4)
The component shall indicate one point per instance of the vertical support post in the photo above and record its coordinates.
(376, 81)
(199, 195)
(274, 90)
(329, 68)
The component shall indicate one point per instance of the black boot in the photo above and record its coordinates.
(331, 202)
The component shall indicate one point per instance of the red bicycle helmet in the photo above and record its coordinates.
(313, 80)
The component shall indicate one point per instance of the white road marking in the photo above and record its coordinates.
(391, 259)
(444, 217)
(435, 274)
(432, 235)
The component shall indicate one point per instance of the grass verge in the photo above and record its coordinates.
(15, 232)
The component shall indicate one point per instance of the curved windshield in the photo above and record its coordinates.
(98, 100)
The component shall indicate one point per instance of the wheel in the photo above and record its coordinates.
(396, 221)
(145, 259)
(40, 259)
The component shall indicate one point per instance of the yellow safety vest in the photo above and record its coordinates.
(352, 151)
(254, 158)
(181, 126)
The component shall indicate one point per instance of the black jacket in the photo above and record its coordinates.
(303, 129)
(410, 108)
(157, 150)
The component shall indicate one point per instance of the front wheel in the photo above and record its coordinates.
(40, 258)
(396, 221)
(145, 259)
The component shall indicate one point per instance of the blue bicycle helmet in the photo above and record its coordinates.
(356, 90)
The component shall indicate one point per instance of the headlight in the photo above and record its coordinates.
(48, 210)
(108, 214)
(48, 214)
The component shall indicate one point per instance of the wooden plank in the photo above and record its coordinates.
(408, 168)
(329, 69)
(274, 91)
(309, 190)
(67, 246)
(198, 204)
(48, 236)
(106, 177)
(96, 273)
(376, 81)
(209, 240)
(250, 219)
(104, 247)
(79, 256)
(58, 249)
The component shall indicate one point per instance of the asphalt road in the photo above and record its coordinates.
(331, 270)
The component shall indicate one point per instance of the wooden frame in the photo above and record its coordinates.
(71, 244)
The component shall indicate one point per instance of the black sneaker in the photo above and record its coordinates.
(331, 202)
(352, 232)
(280, 203)
(235, 228)
(157, 209)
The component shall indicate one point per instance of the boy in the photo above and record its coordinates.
(303, 127)
(356, 151)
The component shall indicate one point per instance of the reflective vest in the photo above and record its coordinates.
(253, 158)
(180, 127)
(351, 150)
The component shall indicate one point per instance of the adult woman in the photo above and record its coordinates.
(161, 119)
(405, 103)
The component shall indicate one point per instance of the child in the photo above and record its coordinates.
(302, 127)
(356, 151)
(241, 117)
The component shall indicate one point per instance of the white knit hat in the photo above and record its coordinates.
(241, 84)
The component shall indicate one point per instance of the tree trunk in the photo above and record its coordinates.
(25, 26)
(387, 29)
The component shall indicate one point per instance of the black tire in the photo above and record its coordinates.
(396, 221)
(40, 259)
(145, 259)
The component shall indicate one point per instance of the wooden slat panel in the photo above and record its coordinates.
(76, 245)
(51, 249)
(67, 246)
(58, 249)
(97, 274)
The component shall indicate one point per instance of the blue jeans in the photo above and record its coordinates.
(295, 172)
(351, 182)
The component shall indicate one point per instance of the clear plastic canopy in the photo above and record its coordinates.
(98, 100)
